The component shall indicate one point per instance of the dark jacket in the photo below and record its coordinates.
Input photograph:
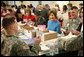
(79, 27)
(44, 13)
(16, 14)
(40, 21)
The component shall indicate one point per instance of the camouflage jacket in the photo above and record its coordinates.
(73, 24)
(74, 44)
(2, 42)
(15, 47)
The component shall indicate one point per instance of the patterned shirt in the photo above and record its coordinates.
(15, 47)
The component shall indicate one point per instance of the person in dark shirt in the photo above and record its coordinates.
(39, 19)
(44, 12)
(16, 14)
(80, 27)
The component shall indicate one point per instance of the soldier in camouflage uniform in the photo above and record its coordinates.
(75, 21)
(2, 42)
(16, 47)
(13, 46)
(74, 44)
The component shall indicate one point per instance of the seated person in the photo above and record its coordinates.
(28, 16)
(3, 12)
(39, 19)
(76, 44)
(22, 10)
(13, 46)
(53, 23)
(74, 21)
(80, 27)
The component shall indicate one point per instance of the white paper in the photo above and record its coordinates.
(28, 41)
(43, 47)
(25, 20)
(69, 36)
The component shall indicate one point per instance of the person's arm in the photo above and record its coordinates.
(75, 32)
(48, 25)
(21, 49)
(58, 28)
(67, 28)
(75, 44)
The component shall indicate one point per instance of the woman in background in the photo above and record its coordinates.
(28, 16)
(65, 16)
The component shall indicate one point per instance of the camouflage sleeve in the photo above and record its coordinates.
(75, 44)
(35, 48)
(22, 49)
(2, 44)
(68, 26)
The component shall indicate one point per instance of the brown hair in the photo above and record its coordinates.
(56, 5)
(28, 10)
(69, 4)
(81, 9)
(8, 20)
(53, 10)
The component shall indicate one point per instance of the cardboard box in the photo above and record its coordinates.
(45, 31)
(47, 36)
(29, 31)
(28, 27)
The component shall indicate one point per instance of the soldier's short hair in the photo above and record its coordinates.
(7, 21)
(74, 7)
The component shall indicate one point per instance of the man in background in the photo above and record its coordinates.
(74, 21)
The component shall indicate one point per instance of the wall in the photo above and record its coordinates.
(76, 3)
(51, 3)
(26, 2)
(18, 3)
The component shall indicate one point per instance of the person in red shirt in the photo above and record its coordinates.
(28, 16)
(3, 11)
